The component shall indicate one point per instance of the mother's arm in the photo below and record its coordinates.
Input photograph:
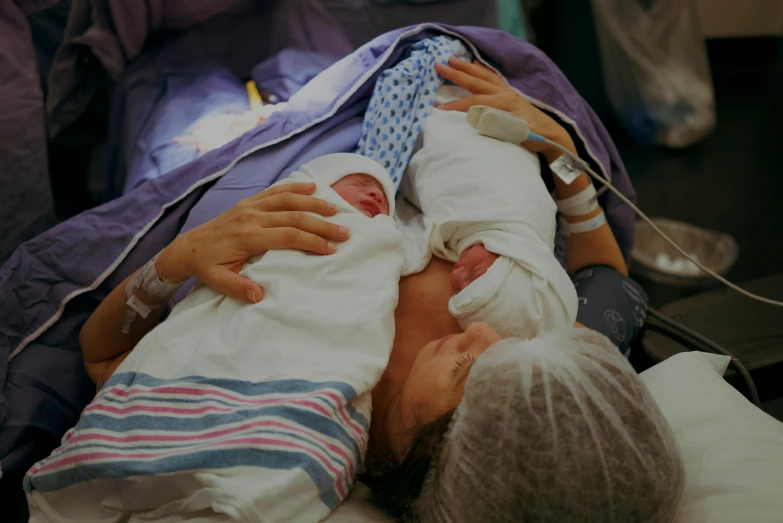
(596, 247)
(214, 253)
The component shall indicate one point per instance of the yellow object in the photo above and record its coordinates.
(253, 96)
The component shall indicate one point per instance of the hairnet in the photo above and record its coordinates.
(555, 429)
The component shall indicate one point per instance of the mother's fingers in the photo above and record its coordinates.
(471, 83)
(463, 104)
(230, 283)
(296, 188)
(477, 70)
(305, 222)
(290, 238)
(290, 201)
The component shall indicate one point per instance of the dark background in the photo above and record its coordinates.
(733, 180)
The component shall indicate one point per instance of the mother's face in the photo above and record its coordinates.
(436, 382)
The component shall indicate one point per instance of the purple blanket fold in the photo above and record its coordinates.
(26, 205)
(52, 283)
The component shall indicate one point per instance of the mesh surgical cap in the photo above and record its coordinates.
(555, 429)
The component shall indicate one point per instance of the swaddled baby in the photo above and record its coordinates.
(240, 411)
(494, 218)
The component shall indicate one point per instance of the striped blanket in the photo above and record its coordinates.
(154, 426)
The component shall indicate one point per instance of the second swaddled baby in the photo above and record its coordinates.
(495, 219)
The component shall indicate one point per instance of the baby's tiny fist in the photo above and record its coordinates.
(473, 263)
(459, 278)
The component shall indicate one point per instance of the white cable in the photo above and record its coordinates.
(671, 242)
(514, 129)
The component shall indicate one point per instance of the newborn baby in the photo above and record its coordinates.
(493, 216)
(364, 193)
(250, 410)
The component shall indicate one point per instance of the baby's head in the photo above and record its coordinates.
(362, 182)
(364, 193)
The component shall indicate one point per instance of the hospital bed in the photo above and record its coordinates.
(38, 344)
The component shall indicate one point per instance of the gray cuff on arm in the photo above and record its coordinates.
(610, 303)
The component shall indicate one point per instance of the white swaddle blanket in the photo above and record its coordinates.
(230, 410)
(478, 190)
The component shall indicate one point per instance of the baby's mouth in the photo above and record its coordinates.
(371, 207)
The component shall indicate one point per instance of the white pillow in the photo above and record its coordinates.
(733, 451)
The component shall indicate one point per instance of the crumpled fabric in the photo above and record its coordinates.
(26, 205)
(555, 429)
(402, 99)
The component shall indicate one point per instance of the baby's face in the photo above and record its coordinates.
(364, 193)
(473, 263)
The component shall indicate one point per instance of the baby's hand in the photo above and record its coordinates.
(473, 263)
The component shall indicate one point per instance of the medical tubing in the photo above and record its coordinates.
(752, 392)
(671, 242)
(680, 329)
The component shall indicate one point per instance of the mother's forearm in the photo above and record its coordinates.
(104, 345)
(563, 189)
(596, 247)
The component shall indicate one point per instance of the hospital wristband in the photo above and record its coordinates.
(579, 204)
(154, 286)
(568, 167)
(582, 227)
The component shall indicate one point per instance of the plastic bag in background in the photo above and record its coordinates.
(655, 69)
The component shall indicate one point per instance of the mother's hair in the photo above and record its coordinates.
(555, 429)
(396, 484)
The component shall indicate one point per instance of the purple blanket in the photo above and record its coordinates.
(52, 283)
(26, 206)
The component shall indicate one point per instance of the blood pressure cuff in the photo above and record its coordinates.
(610, 303)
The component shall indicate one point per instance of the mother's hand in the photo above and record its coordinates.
(275, 218)
(490, 89)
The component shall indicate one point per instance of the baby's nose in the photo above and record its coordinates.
(375, 194)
